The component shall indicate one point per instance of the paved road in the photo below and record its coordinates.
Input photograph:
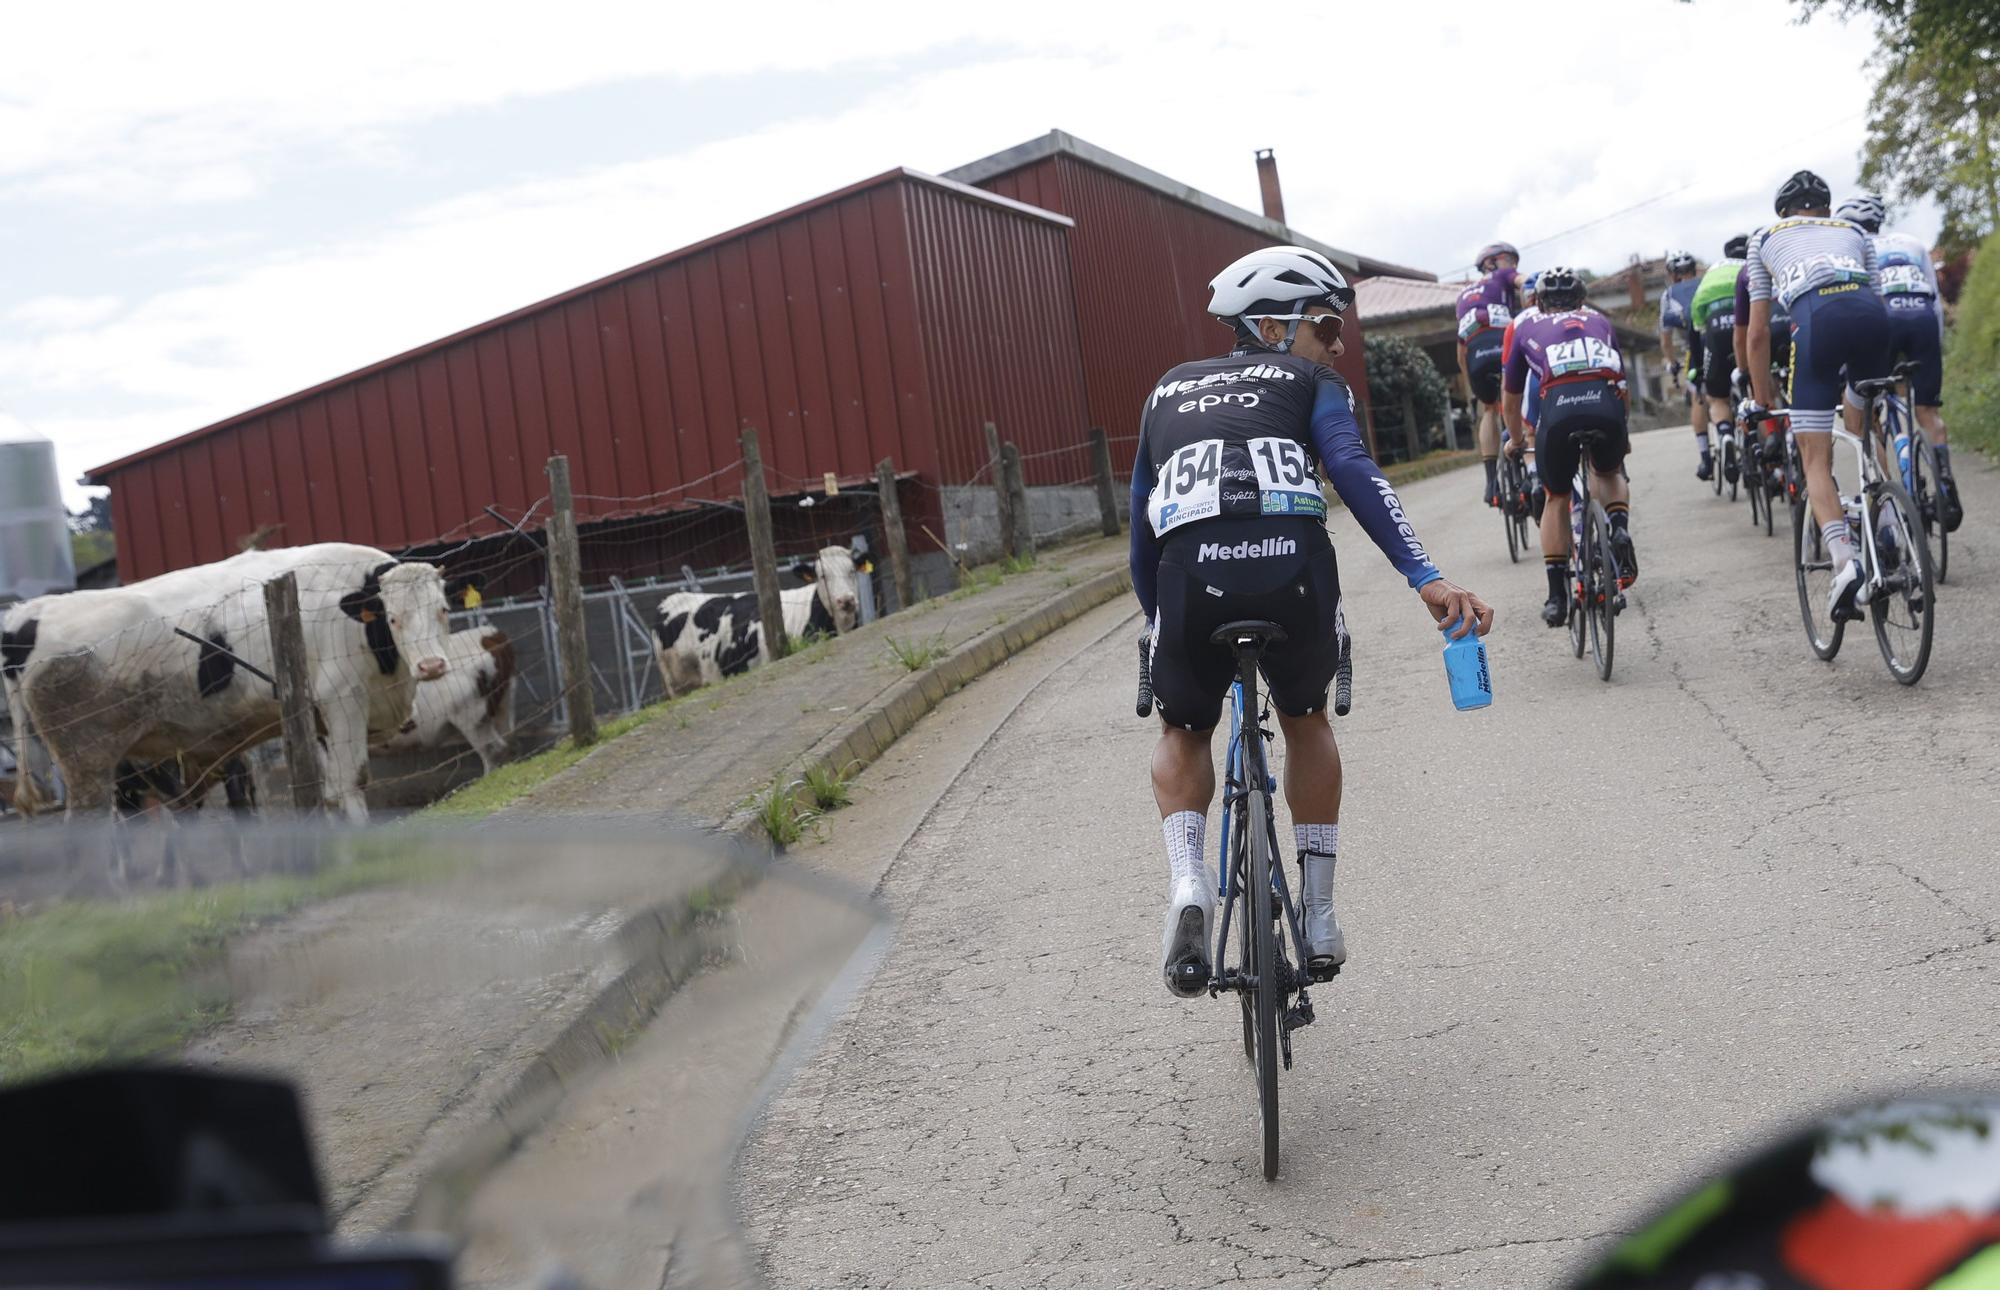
(1601, 935)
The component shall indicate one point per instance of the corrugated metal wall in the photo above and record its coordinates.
(1143, 263)
(1000, 337)
(846, 330)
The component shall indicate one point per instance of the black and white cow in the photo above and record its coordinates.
(105, 678)
(701, 637)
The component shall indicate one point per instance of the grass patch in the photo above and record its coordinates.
(1017, 564)
(915, 654)
(779, 812)
(508, 783)
(84, 983)
(980, 578)
(829, 788)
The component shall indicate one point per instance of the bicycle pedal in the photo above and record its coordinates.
(1299, 1014)
(1190, 979)
(1321, 971)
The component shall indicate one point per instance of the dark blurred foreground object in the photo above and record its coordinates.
(176, 1177)
(1901, 1195)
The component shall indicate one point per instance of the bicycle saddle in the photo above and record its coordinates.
(1249, 631)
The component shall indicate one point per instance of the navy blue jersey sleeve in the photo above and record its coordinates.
(1145, 546)
(1362, 486)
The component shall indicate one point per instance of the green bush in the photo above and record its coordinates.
(1972, 355)
(1396, 367)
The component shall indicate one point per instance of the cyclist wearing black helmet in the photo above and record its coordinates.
(1676, 330)
(1484, 309)
(1573, 349)
(1228, 523)
(1824, 269)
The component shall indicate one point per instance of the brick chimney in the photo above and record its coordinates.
(1267, 179)
(1635, 281)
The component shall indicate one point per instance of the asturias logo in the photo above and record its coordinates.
(1258, 550)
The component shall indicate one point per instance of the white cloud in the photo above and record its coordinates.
(1400, 130)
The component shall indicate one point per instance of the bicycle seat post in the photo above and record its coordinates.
(1248, 637)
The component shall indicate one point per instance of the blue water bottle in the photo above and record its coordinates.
(1465, 667)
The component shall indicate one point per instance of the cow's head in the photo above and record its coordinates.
(402, 607)
(834, 577)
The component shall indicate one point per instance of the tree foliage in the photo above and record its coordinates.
(1397, 367)
(1934, 122)
(1972, 354)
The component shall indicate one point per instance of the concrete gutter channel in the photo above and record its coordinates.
(665, 941)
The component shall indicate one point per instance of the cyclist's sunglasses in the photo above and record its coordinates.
(1324, 327)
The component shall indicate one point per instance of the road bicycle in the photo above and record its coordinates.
(1517, 507)
(1897, 588)
(1595, 595)
(1722, 451)
(1916, 462)
(1250, 876)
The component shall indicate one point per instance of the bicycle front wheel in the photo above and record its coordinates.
(1268, 990)
(1924, 492)
(1600, 590)
(1813, 568)
(1905, 606)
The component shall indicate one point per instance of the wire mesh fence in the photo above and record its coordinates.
(437, 662)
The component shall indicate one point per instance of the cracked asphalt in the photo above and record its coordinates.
(1603, 936)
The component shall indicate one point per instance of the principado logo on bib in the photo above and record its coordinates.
(1262, 549)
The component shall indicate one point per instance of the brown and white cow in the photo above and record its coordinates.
(476, 698)
(702, 637)
(105, 678)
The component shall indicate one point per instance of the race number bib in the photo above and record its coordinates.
(1469, 324)
(1904, 279)
(1285, 478)
(1584, 354)
(1188, 487)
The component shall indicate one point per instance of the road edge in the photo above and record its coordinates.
(664, 939)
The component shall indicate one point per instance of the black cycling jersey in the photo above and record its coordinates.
(1239, 436)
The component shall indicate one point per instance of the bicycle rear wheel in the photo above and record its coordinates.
(1812, 566)
(1600, 590)
(1904, 611)
(1268, 991)
(1730, 464)
(1715, 460)
(1509, 520)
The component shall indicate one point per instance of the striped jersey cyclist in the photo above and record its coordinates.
(1824, 269)
(1229, 524)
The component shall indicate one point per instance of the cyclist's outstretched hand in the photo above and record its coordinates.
(1454, 606)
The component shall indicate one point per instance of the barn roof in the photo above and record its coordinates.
(98, 474)
(1064, 143)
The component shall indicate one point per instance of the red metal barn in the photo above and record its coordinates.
(1146, 247)
(890, 319)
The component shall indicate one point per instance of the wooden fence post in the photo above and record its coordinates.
(1410, 439)
(1017, 494)
(1107, 487)
(1003, 497)
(288, 653)
(892, 532)
(763, 551)
(566, 589)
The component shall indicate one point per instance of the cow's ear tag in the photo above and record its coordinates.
(367, 615)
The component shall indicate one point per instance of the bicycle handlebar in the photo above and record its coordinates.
(1145, 678)
(1343, 681)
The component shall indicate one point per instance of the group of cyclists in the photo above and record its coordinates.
(1229, 523)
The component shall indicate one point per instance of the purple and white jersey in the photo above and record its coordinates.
(1580, 344)
(1489, 302)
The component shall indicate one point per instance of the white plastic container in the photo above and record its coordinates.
(34, 525)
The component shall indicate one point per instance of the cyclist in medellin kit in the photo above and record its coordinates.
(1228, 523)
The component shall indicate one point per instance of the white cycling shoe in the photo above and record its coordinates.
(1848, 591)
(1326, 947)
(1184, 949)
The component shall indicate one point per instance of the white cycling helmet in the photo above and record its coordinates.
(1263, 283)
(1866, 210)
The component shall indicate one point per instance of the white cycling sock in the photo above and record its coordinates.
(1183, 831)
(1839, 546)
(1323, 838)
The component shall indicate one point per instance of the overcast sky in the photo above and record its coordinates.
(203, 207)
